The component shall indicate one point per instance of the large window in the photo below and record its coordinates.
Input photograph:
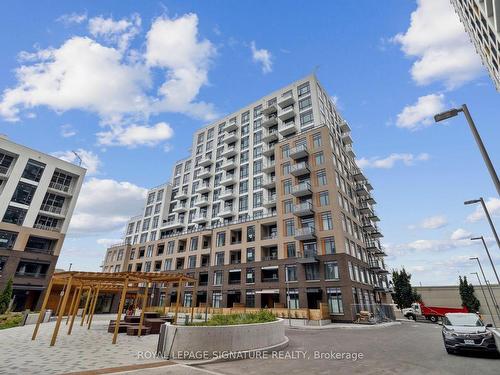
(221, 239)
(335, 300)
(291, 273)
(219, 258)
(312, 271)
(7, 239)
(327, 222)
(250, 276)
(24, 193)
(331, 270)
(218, 278)
(250, 254)
(324, 199)
(33, 170)
(290, 250)
(329, 245)
(61, 181)
(250, 298)
(14, 215)
(289, 227)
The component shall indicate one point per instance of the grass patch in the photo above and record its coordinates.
(233, 319)
(10, 320)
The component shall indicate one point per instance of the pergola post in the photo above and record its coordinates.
(144, 304)
(85, 308)
(91, 315)
(165, 288)
(75, 309)
(61, 312)
(120, 309)
(70, 311)
(179, 291)
(43, 309)
(193, 301)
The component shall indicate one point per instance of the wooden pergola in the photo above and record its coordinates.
(94, 283)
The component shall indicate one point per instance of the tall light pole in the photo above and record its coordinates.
(487, 213)
(489, 256)
(487, 285)
(452, 113)
(484, 295)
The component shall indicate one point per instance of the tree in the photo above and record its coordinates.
(466, 291)
(404, 295)
(5, 297)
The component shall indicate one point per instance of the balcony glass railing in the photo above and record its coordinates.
(51, 209)
(60, 187)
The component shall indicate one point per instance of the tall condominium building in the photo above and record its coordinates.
(270, 203)
(38, 193)
(481, 19)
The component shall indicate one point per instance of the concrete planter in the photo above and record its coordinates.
(205, 343)
(32, 318)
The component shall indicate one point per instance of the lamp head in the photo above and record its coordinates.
(476, 238)
(446, 115)
(472, 201)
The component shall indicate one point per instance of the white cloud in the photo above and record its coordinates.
(434, 222)
(119, 32)
(262, 56)
(391, 160)
(421, 113)
(460, 234)
(116, 82)
(438, 41)
(136, 135)
(493, 206)
(174, 45)
(67, 131)
(107, 242)
(72, 18)
(105, 205)
(90, 160)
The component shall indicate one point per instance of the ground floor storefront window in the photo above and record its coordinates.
(335, 300)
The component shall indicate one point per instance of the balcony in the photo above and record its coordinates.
(286, 99)
(229, 152)
(53, 210)
(267, 150)
(202, 202)
(227, 212)
(358, 175)
(361, 190)
(307, 256)
(269, 182)
(302, 189)
(304, 234)
(231, 137)
(204, 188)
(346, 138)
(373, 217)
(269, 202)
(181, 195)
(173, 224)
(369, 200)
(231, 126)
(368, 226)
(300, 169)
(200, 218)
(205, 162)
(227, 194)
(270, 135)
(287, 129)
(303, 209)
(350, 151)
(271, 107)
(344, 127)
(270, 121)
(229, 165)
(269, 166)
(229, 179)
(56, 228)
(60, 187)
(299, 152)
(287, 113)
(205, 173)
(376, 233)
(365, 209)
(181, 207)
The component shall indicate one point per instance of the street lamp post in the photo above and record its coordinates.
(484, 295)
(487, 285)
(487, 213)
(452, 113)
(489, 256)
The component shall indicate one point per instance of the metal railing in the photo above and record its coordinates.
(304, 231)
(299, 166)
(369, 313)
(52, 209)
(56, 228)
(301, 187)
(60, 187)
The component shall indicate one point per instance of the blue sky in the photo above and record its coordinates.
(99, 78)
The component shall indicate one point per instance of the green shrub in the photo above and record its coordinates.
(233, 319)
(6, 296)
(10, 320)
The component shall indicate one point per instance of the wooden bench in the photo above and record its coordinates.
(134, 331)
(132, 319)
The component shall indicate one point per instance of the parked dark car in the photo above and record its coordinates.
(466, 331)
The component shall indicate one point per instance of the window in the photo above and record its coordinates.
(149, 251)
(155, 222)
(321, 177)
(335, 300)
(14, 215)
(303, 89)
(285, 167)
(194, 244)
(250, 298)
(145, 224)
(250, 276)
(167, 266)
(147, 267)
(257, 166)
(219, 258)
(5, 162)
(285, 151)
(290, 250)
(331, 270)
(159, 196)
(291, 273)
(33, 170)
(287, 186)
(251, 233)
(289, 227)
(149, 210)
(243, 203)
(221, 239)
(326, 219)
(305, 103)
(287, 206)
(170, 247)
(251, 254)
(24, 193)
(218, 277)
(319, 158)
(257, 199)
(7, 239)
(317, 140)
(243, 187)
(244, 171)
(306, 118)
(312, 271)
(329, 245)
(324, 198)
(217, 299)
(244, 157)
(192, 261)
(151, 198)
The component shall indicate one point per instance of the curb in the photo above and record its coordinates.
(342, 326)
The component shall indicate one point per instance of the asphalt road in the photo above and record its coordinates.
(409, 348)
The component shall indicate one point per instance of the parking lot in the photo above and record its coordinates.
(409, 348)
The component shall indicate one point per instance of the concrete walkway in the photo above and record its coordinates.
(83, 350)
(299, 324)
